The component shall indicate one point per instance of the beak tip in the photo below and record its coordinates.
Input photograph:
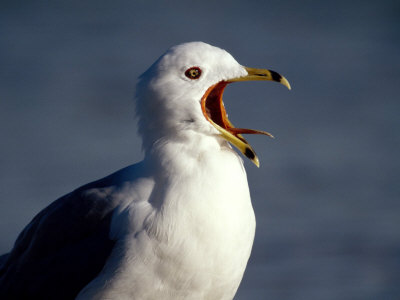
(286, 83)
(256, 162)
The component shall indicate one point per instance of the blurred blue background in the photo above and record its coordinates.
(327, 194)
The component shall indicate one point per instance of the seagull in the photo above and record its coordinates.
(177, 225)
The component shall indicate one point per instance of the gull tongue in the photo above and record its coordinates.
(237, 131)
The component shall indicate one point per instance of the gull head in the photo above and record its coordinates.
(183, 90)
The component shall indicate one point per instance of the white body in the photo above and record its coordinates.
(195, 244)
(186, 225)
(177, 226)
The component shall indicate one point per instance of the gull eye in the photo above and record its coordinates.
(193, 73)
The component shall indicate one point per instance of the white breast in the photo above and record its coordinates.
(196, 234)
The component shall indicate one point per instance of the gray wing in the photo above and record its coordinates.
(65, 246)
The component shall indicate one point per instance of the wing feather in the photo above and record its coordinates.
(65, 246)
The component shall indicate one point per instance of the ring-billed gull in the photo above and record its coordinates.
(178, 225)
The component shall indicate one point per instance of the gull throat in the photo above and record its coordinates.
(213, 106)
(214, 111)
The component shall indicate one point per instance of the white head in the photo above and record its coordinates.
(183, 90)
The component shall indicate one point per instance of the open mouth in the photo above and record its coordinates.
(214, 111)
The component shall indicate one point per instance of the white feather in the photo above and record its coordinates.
(186, 225)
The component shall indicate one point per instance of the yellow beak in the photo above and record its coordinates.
(214, 110)
(262, 74)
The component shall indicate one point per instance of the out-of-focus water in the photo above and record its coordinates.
(327, 193)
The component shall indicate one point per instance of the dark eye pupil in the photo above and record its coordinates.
(193, 73)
